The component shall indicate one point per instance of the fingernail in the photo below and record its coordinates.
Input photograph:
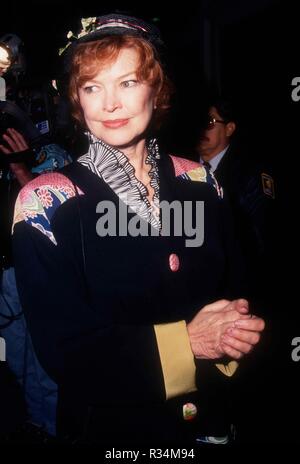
(239, 323)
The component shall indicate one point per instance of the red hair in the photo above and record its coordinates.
(90, 57)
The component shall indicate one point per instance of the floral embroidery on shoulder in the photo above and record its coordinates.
(40, 198)
(190, 170)
(198, 174)
(182, 165)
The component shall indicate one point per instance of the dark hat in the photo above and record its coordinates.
(96, 28)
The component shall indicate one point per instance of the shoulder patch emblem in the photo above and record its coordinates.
(268, 185)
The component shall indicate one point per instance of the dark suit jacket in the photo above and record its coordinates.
(246, 182)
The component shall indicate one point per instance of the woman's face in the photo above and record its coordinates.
(117, 108)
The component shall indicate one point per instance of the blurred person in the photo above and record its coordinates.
(18, 166)
(245, 176)
(247, 184)
(11, 59)
(5, 63)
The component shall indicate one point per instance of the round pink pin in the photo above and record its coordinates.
(174, 262)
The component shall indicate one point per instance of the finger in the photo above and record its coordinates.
(243, 335)
(231, 352)
(243, 347)
(15, 136)
(227, 327)
(19, 139)
(255, 324)
(5, 150)
(10, 141)
(216, 306)
(234, 316)
(241, 306)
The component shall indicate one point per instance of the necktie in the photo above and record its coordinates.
(207, 165)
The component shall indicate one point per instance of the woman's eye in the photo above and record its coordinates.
(90, 89)
(129, 83)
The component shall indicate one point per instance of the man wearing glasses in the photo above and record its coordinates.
(216, 136)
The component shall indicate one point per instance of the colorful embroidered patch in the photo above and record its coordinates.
(182, 165)
(190, 170)
(199, 174)
(40, 198)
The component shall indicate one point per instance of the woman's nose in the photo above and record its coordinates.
(111, 101)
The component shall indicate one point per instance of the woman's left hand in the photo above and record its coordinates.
(242, 337)
(224, 328)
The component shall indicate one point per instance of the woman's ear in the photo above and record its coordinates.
(230, 128)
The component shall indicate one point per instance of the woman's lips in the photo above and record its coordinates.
(115, 123)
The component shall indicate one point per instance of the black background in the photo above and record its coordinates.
(258, 50)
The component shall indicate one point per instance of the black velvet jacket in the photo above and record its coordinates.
(91, 303)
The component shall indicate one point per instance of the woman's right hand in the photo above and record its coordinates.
(217, 330)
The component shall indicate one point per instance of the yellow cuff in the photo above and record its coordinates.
(176, 357)
(228, 369)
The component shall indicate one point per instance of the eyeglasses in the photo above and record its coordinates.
(211, 122)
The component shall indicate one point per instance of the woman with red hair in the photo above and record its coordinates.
(133, 270)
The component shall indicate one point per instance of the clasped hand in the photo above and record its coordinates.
(224, 328)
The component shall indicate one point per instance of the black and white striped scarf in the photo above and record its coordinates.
(114, 168)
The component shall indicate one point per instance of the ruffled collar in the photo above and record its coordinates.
(114, 168)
